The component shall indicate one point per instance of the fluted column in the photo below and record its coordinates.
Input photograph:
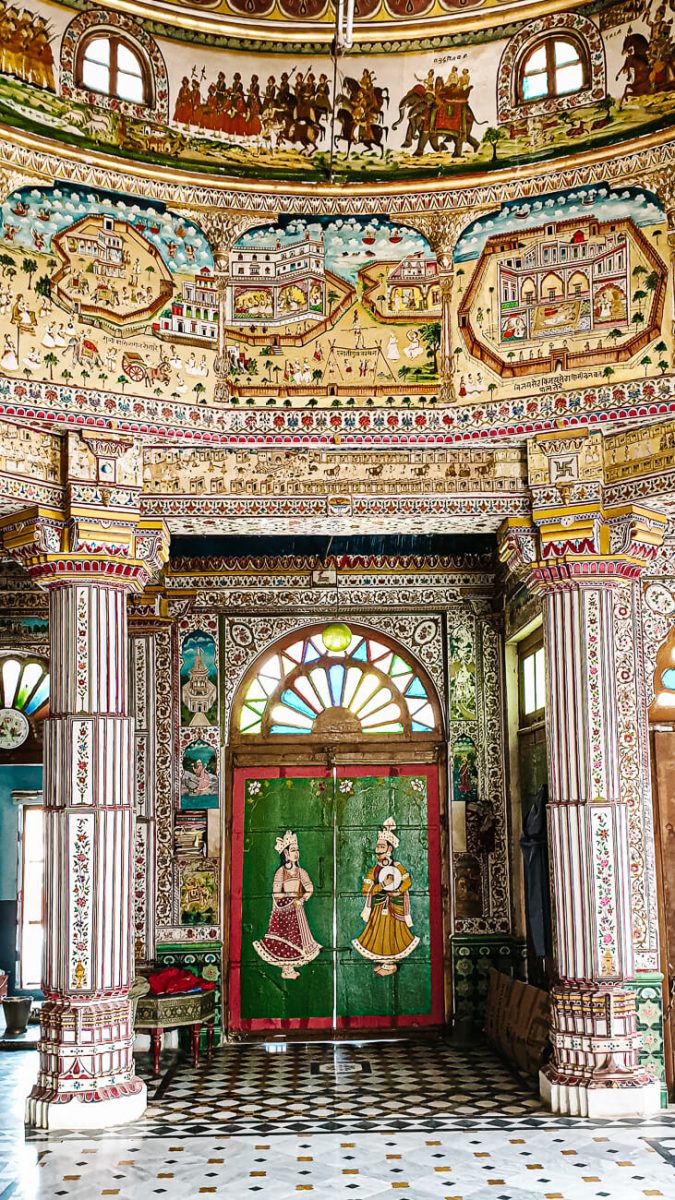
(89, 560)
(585, 560)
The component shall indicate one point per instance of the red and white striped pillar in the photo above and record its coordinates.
(586, 566)
(86, 1075)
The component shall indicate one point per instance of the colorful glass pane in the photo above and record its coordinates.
(668, 679)
(25, 685)
(367, 678)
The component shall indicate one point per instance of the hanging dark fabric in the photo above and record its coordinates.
(534, 846)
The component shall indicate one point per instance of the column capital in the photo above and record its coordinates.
(662, 184)
(222, 227)
(574, 531)
(569, 544)
(86, 543)
(443, 230)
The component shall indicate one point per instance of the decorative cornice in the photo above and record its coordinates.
(111, 547)
(373, 35)
(181, 189)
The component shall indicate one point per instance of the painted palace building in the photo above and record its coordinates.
(337, 634)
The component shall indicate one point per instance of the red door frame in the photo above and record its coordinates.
(261, 1024)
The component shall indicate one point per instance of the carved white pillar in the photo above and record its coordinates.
(585, 562)
(86, 1076)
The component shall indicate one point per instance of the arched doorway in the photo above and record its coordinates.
(336, 918)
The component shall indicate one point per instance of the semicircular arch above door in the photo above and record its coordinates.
(337, 681)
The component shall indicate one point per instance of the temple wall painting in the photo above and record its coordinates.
(267, 115)
(194, 844)
(118, 295)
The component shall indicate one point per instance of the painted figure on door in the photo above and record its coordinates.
(387, 937)
(288, 942)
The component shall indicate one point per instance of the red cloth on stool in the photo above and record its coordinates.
(172, 980)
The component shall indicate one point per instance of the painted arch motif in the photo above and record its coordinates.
(368, 687)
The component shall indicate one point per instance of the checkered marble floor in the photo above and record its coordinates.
(338, 1088)
(192, 1144)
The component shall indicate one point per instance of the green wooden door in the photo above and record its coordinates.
(384, 932)
(284, 979)
(355, 940)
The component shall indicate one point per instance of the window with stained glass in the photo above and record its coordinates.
(306, 688)
(24, 685)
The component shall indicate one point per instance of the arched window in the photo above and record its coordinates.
(335, 681)
(24, 694)
(554, 66)
(114, 66)
(551, 64)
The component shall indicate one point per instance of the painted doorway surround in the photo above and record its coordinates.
(336, 916)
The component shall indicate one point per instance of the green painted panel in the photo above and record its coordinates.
(390, 974)
(272, 806)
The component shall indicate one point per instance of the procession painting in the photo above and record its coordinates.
(266, 116)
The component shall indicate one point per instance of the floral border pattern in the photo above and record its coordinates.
(508, 108)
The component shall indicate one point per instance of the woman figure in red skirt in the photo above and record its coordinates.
(288, 942)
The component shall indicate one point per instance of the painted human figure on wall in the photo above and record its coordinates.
(288, 942)
(387, 937)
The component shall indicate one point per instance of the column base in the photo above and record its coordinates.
(76, 1112)
(579, 1100)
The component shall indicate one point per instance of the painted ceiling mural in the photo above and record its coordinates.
(263, 115)
(367, 12)
(117, 294)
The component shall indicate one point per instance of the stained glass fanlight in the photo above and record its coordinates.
(24, 685)
(308, 688)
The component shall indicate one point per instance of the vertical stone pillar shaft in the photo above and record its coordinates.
(89, 558)
(86, 1044)
(585, 559)
(594, 1029)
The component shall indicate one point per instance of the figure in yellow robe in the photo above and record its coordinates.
(387, 937)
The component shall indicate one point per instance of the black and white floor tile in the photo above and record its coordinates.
(378, 1119)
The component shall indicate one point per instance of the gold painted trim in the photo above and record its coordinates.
(299, 32)
(169, 176)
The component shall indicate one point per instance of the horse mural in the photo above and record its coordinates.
(359, 110)
(649, 65)
(439, 114)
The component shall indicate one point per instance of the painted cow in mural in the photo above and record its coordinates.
(436, 120)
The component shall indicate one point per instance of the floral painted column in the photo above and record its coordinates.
(585, 557)
(89, 559)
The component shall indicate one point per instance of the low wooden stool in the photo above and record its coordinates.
(159, 1013)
